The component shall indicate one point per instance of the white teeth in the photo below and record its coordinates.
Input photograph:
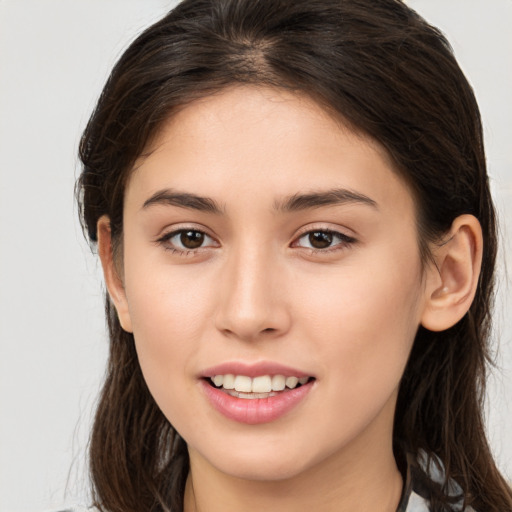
(278, 383)
(250, 396)
(262, 384)
(229, 381)
(291, 382)
(257, 385)
(243, 383)
(218, 380)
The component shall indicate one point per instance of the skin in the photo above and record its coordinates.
(255, 291)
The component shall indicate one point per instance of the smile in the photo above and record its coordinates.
(255, 394)
(262, 386)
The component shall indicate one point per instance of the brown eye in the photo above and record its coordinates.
(186, 241)
(324, 240)
(192, 239)
(320, 239)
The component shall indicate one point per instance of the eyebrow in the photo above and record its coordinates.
(333, 197)
(183, 200)
(296, 202)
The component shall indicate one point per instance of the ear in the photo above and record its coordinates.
(113, 281)
(451, 286)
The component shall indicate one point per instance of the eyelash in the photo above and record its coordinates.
(344, 241)
(165, 241)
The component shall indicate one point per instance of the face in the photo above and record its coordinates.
(267, 246)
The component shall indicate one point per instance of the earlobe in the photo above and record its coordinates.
(452, 282)
(113, 281)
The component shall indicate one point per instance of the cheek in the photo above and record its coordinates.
(169, 310)
(364, 320)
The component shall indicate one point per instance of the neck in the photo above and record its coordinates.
(360, 478)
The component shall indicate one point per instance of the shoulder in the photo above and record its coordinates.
(423, 481)
(418, 503)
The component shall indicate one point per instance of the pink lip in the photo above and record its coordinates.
(257, 410)
(253, 370)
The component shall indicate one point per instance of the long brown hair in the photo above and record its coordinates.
(391, 76)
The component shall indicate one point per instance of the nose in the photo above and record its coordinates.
(252, 297)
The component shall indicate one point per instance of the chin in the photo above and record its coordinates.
(260, 462)
(264, 471)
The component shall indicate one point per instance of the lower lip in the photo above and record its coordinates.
(257, 410)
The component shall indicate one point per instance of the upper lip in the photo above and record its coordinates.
(253, 369)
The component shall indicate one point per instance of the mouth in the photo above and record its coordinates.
(258, 387)
(256, 393)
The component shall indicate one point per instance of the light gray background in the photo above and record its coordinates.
(54, 58)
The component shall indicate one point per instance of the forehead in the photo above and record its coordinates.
(255, 140)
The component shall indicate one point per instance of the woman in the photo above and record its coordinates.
(293, 216)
